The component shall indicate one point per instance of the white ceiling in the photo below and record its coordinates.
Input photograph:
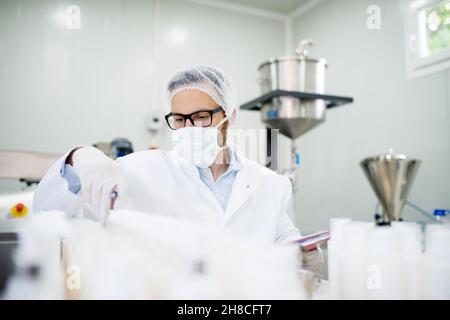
(278, 6)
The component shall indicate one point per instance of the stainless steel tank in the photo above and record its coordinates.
(300, 73)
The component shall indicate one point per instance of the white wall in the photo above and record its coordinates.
(59, 87)
(410, 116)
(63, 87)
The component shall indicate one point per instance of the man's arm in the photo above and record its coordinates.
(59, 188)
(286, 230)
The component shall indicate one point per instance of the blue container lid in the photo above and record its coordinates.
(441, 212)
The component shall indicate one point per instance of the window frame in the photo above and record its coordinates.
(417, 64)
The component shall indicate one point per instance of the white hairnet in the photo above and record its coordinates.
(208, 79)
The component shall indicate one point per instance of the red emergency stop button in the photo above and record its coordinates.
(19, 210)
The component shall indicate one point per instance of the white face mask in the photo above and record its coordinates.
(197, 145)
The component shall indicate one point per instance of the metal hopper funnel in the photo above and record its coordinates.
(391, 176)
(292, 116)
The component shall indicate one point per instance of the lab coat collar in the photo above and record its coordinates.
(234, 164)
(192, 171)
(243, 186)
(235, 159)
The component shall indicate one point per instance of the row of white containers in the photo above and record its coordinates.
(388, 262)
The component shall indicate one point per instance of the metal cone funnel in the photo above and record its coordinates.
(293, 117)
(391, 176)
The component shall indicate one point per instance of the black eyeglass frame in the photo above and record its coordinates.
(189, 117)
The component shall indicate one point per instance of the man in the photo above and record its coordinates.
(203, 178)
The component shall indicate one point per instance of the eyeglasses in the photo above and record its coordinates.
(202, 118)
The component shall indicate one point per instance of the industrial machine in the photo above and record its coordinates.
(391, 258)
(293, 117)
(391, 176)
(119, 147)
(20, 171)
(293, 99)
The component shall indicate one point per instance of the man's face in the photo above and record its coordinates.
(189, 101)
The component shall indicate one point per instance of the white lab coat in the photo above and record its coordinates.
(158, 184)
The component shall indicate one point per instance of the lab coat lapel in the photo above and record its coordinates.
(243, 187)
(188, 169)
(194, 177)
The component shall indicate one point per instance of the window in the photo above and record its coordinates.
(427, 26)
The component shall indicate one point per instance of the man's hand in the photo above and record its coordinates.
(312, 260)
(100, 176)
